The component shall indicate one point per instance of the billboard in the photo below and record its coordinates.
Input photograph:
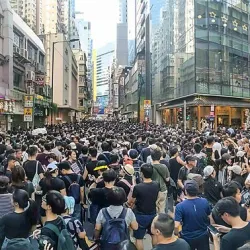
(102, 102)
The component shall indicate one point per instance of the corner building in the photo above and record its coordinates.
(209, 67)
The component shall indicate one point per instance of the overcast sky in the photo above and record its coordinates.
(103, 17)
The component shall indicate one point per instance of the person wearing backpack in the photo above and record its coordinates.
(144, 197)
(112, 223)
(54, 230)
(126, 182)
(73, 225)
(17, 225)
(74, 187)
(133, 154)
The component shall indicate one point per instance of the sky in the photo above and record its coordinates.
(103, 17)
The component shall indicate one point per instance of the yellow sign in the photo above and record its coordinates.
(28, 98)
(147, 104)
(28, 111)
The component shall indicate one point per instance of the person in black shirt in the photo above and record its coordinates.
(229, 210)
(230, 190)
(236, 174)
(11, 162)
(144, 196)
(90, 166)
(163, 234)
(127, 173)
(105, 155)
(21, 222)
(98, 196)
(69, 177)
(30, 165)
(212, 188)
(54, 205)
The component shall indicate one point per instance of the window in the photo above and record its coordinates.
(16, 40)
(1, 25)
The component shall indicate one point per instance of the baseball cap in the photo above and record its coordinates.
(72, 145)
(208, 170)
(133, 154)
(52, 166)
(192, 187)
(128, 169)
(240, 153)
(236, 169)
(190, 158)
(226, 156)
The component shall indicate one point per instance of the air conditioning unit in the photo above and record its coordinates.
(31, 90)
(24, 53)
(30, 75)
(16, 50)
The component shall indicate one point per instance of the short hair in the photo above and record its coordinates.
(197, 148)
(165, 224)
(11, 158)
(4, 181)
(117, 196)
(85, 149)
(93, 151)
(210, 140)
(109, 175)
(156, 154)
(230, 189)
(105, 146)
(56, 201)
(32, 150)
(228, 205)
(173, 151)
(147, 170)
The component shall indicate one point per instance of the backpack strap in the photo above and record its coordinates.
(53, 228)
(68, 179)
(123, 213)
(106, 158)
(78, 179)
(106, 214)
(126, 183)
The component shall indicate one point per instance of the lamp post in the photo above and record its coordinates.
(52, 70)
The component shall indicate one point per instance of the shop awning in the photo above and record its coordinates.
(207, 101)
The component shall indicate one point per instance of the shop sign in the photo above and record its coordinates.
(7, 106)
(222, 111)
(212, 113)
(29, 101)
(147, 104)
(28, 114)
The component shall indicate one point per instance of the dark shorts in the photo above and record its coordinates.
(144, 222)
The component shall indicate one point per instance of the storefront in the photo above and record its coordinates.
(206, 112)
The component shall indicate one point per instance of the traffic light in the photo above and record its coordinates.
(180, 115)
(188, 114)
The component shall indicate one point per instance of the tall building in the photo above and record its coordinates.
(104, 60)
(122, 34)
(52, 16)
(209, 65)
(84, 30)
(30, 11)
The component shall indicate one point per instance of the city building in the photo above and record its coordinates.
(52, 16)
(156, 9)
(102, 73)
(208, 67)
(84, 98)
(64, 69)
(84, 30)
(28, 10)
(22, 71)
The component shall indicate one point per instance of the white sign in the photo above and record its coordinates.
(28, 118)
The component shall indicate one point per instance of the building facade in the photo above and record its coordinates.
(65, 77)
(104, 60)
(209, 66)
(52, 16)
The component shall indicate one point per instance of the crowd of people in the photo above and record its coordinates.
(107, 184)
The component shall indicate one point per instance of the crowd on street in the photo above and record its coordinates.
(107, 184)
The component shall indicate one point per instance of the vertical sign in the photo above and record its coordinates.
(28, 108)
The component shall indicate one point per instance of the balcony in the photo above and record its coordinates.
(40, 68)
(20, 54)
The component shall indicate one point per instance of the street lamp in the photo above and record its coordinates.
(52, 69)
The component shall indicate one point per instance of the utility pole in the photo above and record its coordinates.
(185, 116)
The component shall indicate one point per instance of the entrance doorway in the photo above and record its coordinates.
(223, 120)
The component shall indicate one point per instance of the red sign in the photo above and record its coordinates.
(211, 113)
